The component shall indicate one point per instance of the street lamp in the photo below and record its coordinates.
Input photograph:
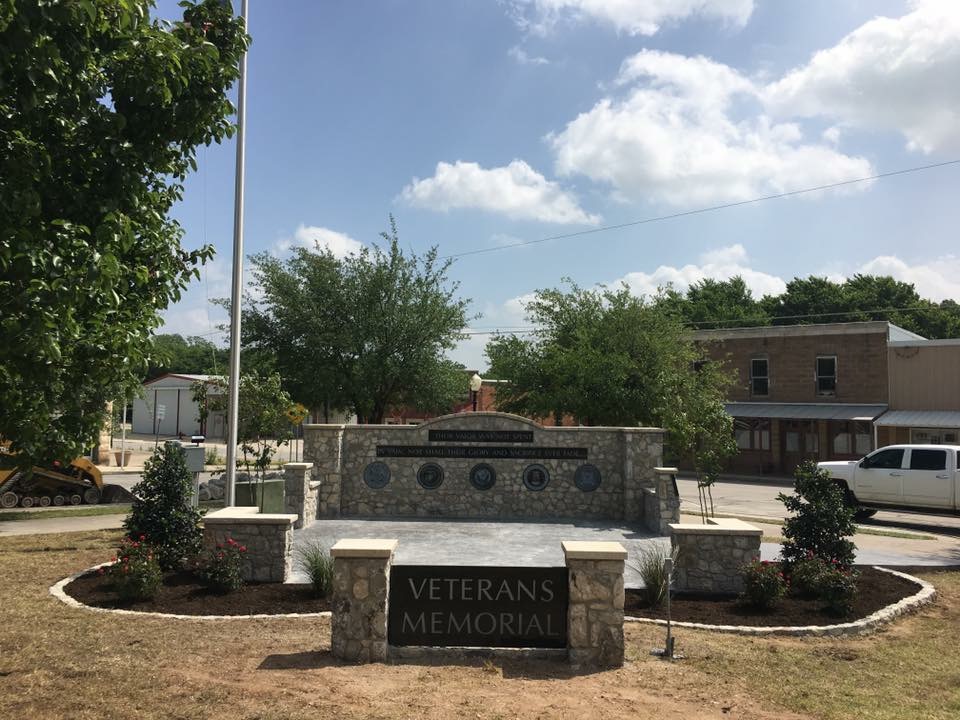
(476, 382)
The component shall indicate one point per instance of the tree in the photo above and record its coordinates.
(711, 304)
(161, 509)
(192, 355)
(608, 358)
(810, 300)
(101, 110)
(364, 332)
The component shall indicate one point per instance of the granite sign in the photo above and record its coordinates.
(478, 606)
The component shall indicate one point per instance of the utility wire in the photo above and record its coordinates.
(700, 211)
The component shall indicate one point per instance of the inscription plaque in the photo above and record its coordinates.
(497, 453)
(478, 606)
(524, 436)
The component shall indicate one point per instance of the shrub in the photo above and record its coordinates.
(135, 574)
(821, 522)
(806, 576)
(223, 570)
(838, 589)
(161, 509)
(318, 565)
(763, 585)
(650, 568)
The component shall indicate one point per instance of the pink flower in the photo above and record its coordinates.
(243, 548)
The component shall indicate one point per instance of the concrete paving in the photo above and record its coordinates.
(463, 542)
(37, 526)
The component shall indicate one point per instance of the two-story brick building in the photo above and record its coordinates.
(804, 391)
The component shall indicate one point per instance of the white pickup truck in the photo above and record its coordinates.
(904, 477)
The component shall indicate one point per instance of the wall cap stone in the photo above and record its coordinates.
(298, 465)
(716, 526)
(585, 550)
(364, 548)
(314, 484)
(666, 470)
(247, 515)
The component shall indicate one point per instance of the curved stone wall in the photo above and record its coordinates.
(483, 465)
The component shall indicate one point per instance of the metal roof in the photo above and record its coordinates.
(805, 411)
(921, 418)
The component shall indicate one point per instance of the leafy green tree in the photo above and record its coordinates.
(101, 110)
(722, 304)
(364, 332)
(821, 521)
(810, 300)
(608, 358)
(161, 509)
(192, 355)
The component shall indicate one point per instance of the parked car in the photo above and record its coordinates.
(922, 478)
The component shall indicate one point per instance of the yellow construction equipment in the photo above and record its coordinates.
(78, 482)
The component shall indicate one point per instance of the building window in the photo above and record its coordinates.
(934, 436)
(826, 375)
(759, 377)
(752, 434)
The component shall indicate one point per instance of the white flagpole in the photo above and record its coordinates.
(236, 293)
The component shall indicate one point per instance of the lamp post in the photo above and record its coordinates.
(476, 382)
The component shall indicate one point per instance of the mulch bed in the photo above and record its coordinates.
(184, 594)
(876, 591)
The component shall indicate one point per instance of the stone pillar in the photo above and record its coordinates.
(710, 558)
(323, 446)
(595, 615)
(298, 497)
(268, 538)
(361, 582)
(642, 450)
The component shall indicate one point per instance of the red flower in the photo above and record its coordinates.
(243, 548)
(142, 538)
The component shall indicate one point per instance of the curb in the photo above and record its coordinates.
(866, 625)
(58, 591)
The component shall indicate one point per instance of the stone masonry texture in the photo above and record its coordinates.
(625, 458)
(359, 609)
(595, 615)
(268, 556)
(712, 563)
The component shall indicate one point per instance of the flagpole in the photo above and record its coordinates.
(236, 292)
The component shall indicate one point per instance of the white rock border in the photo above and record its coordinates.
(59, 592)
(866, 625)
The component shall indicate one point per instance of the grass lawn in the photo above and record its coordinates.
(59, 662)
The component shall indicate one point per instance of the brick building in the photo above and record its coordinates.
(805, 391)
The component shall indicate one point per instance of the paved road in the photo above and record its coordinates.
(755, 499)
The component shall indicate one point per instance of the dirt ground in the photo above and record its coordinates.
(60, 662)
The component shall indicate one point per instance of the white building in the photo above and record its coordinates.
(167, 408)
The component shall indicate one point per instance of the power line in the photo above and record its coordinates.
(700, 211)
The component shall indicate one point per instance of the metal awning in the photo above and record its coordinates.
(921, 419)
(806, 411)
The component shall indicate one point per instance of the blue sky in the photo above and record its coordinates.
(480, 124)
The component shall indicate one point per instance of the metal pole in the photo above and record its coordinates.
(236, 292)
(123, 435)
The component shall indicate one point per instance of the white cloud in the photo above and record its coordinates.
(675, 137)
(635, 17)
(516, 190)
(313, 237)
(720, 264)
(937, 279)
(521, 56)
(900, 74)
(195, 321)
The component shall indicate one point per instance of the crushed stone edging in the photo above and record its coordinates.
(885, 615)
(59, 592)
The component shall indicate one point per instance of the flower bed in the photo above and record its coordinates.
(184, 593)
(877, 590)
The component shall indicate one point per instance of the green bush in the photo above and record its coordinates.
(650, 568)
(820, 523)
(763, 585)
(806, 576)
(161, 510)
(223, 570)
(318, 565)
(135, 573)
(838, 589)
